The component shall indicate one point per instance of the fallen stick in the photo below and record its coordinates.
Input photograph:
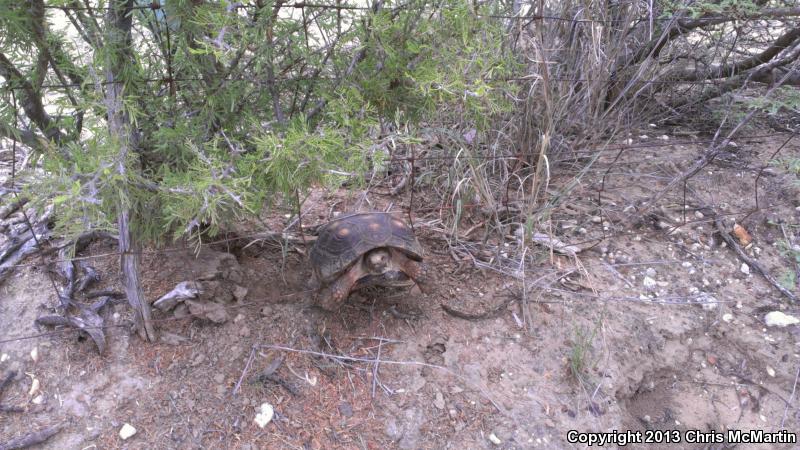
(9, 376)
(31, 438)
(748, 260)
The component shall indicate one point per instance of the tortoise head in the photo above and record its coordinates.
(377, 260)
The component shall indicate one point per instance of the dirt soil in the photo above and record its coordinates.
(657, 327)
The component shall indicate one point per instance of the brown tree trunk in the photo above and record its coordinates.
(118, 55)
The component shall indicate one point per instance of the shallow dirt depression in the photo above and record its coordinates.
(655, 328)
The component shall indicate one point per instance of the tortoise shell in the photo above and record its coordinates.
(341, 242)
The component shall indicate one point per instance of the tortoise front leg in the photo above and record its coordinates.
(417, 271)
(330, 297)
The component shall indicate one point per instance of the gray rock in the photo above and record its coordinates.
(172, 339)
(208, 310)
(239, 293)
(183, 291)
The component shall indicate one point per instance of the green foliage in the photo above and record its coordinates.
(788, 279)
(789, 251)
(454, 60)
(784, 98)
(580, 352)
(218, 95)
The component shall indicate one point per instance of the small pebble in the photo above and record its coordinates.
(438, 402)
(34, 387)
(126, 431)
(779, 319)
(495, 440)
(727, 317)
(265, 415)
(745, 269)
(770, 371)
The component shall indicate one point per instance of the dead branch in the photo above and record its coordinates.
(12, 207)
(11, 409)
(745, 258)
(682, 26)
(782, 43)
(31, 101)
(88, 321)
(31, 438)
(764, 74)
(490, 314)
(23, 244)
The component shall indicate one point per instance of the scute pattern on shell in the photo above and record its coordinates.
(342, 241)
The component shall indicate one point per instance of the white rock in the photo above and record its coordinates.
(649, 283)
(38, 400)
(34, 387)
(35, 354)
(770, 371)
(265, 415)
(495, 440)
(438, 402)
(664, 137)
(126, 431)
(4, 357)
(183, 291)
(745, 269)
(727, 317)
(779, 319)
(651, 272)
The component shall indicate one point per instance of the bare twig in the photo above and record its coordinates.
(791, 397)
(244, 371)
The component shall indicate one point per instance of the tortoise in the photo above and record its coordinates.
(365, 249)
